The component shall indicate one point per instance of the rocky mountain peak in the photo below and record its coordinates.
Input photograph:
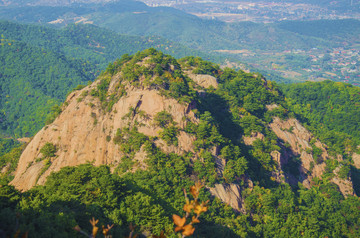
(127, 100)
(150, 102)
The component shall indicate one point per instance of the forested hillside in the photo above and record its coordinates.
(41, 65)
(233, 131)
(130, 17)
(32, 81)
(343, 32)
(88, 42)
(331, 110)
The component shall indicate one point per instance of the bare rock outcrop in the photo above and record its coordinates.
(5, 169)
(278, 174)
(356, 159)
(271, 107)
(298, 139)
(203, 80)
(345, 185)
(24, 140)
(229, 194)
(83, 132)
(249, 140)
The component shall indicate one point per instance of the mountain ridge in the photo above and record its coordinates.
(264, 173)
(131, 98)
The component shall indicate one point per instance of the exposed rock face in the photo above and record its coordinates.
(203, 80)
(230, 194)
(140, 157)
(298, 137)
(278, 174)
(249, 140)
(24, 140)
(271, 107)
(345, 185)
(356, 159)
(5, 169)
(83, 132)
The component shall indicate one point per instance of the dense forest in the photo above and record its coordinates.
(32, 82)
(41, 65)
(334, 30)
(97, 45)
(331, 109)
(148, 198)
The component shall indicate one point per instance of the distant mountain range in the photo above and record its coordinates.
(241, 41)
(136, 18)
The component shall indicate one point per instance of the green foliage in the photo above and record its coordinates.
(41, 65)
(41, 80)
(153, 69)
(235, 169)
(261, 150)
(10, 155)
(46, 164)
(251, 124)
(227, 75)
(200, 66)
(7, 144)
(141, 209)
(344, 171)
(279, 111)
(330, 110)
(316, 152)
(316, 211)
(130, 140)
(163, 119)
(169, 135)
(67, 199)
(149, 197)
(54, 113)
(205, 168)
(206, 132)
(125, 165)
(88, 183)
(79, 87)
(9, 198)
(355, 177)
(249, 92)
(48, 150)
